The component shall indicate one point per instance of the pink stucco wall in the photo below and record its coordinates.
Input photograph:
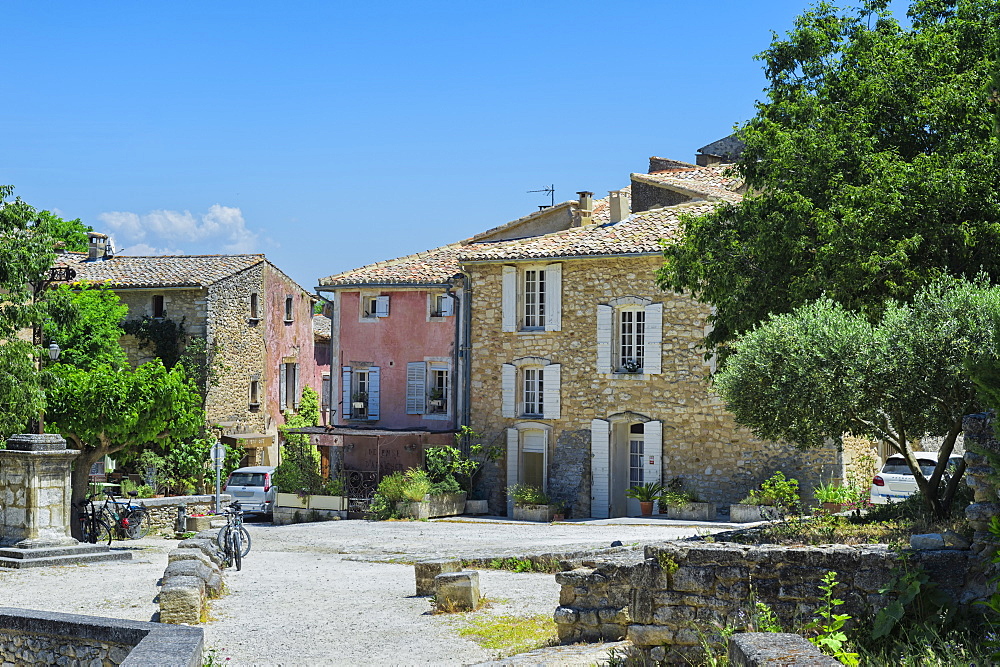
(390, 343)
(291, 342)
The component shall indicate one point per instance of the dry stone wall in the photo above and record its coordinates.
(718, 460)
(681, 590)
(36, 648)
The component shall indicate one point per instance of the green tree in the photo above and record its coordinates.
(872, 167)
(72, 233)
(25, 257)
(300, 461)
(823, 371)
(100, 403)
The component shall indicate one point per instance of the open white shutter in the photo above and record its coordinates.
(508, 299)
(605, 334)
(551, 402)
(652, 360)
(513, 461)
(381, 306)
(600, 468)
(447, 306)
(373, 392)
(297, 395)
(416, 388)
(345, 391)
(282, 394)
(553, 297)
(652, 452)
(508, 382)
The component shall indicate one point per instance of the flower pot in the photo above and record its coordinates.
(292, 500)
(357, 405)
(646, 507)
(833, 508)
(558, 516)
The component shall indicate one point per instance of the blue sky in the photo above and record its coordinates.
(331, 135)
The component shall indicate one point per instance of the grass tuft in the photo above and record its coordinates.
(510, 635)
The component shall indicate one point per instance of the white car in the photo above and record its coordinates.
(253, 488)
(895, 482)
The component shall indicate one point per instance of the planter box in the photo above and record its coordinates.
(477, 506)
(445, 504)
(748, 513)
(541, 513)
(196, 524)
(291, 500)
(327, 503)
(692, 512)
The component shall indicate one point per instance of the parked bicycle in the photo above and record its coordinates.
(127, 521)
(93, 528)
(233, 538)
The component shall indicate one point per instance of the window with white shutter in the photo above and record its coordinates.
(373, 392)
(531, 298)
(531, 388)
(382, 306)
(416, 383)
(600, 467)
(630, 336)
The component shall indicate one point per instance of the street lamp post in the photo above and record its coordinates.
(53, 351)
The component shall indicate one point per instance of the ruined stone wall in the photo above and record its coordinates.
(717, 459)
(187, 306)
(682, 589)
(35, 648)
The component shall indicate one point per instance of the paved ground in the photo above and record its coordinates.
(339, 593)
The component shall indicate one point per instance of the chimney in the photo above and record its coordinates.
(586, 208)
(618, 206)
(98, 247)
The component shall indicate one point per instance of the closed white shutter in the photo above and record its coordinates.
(652, 452)
(513, 461)
(373, 391)
(553, 297)
(605, 335)
(508, 387)
(600, 469)
(345, 390)
(447, 306)
(381, 306)
(508, 299)
(282, 394)
(551, 400)
(416, 388)
(296, 395)
(652, 360)
(327, 389)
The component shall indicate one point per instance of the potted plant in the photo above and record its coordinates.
(530, 503)
(778, 494)
(678, 503)
(359, 400)
(558, 508)
(832, 497)
(631, 366)
(646, 494)
(436, 398)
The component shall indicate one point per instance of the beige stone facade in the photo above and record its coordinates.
(718, 460)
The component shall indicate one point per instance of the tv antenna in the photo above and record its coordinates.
(552, 194)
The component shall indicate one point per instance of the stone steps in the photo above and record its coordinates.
(82, 553)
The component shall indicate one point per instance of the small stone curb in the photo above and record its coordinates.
(193, 577)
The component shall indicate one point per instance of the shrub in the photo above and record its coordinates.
(832, 493)
(526, 494)
(777, 491)
(416, 484)
(674, 494)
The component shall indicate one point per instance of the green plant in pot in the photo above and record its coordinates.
(833, 497)
(778, 492)
(675, 495)
(526, 495)
(646, 494)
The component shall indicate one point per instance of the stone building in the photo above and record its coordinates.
(257, 323)
(590, 374)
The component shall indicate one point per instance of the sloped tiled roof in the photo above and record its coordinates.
(431, 267)
(709, 181)
(602, 208)
(638, 234)
(159, 270)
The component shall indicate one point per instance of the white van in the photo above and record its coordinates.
(895, 481)
(253, 488)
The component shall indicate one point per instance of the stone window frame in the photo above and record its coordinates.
(514, 303)
(254, 306)
(254, 391)
(372, 306)
(440, 305)
(158, 307)
(513, 383)
(351, 377)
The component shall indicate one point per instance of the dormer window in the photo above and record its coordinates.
(158, 311)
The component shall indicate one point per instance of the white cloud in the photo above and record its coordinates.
(221, 230)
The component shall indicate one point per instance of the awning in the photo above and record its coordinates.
(248, 440)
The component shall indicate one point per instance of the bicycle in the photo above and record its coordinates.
(128, 521)
(93, 528)
(233, 538)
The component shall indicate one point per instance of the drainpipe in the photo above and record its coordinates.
(459, 308)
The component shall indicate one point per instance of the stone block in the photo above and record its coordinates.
(756, 649)
(926, 541)
(693, 579)
(650, 635)
(425, 572)
(206, 546)
(189, 568)
(182, 600)
(457, 591)
(566, 615)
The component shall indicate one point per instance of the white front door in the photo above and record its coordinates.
(635, 470)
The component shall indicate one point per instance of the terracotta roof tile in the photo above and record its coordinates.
(431, 267)
(639, 233)
(160, 270)
(711, 181)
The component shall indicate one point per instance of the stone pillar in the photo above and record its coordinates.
(35, 492)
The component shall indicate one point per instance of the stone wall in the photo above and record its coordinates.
(35, 648)
(717, 459)
(680, 588)
(163, 511)
(187, 306)
(981, 478)
(646, 196)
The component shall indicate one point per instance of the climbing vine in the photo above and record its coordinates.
(165, 336)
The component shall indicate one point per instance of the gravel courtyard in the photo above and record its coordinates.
(337, 593)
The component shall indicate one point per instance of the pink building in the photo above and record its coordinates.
(396, 327)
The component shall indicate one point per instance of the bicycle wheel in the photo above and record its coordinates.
(244, 539)
(237, 549)
(138, 525)
(100, 531)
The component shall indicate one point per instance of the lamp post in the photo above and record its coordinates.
(53, 351)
